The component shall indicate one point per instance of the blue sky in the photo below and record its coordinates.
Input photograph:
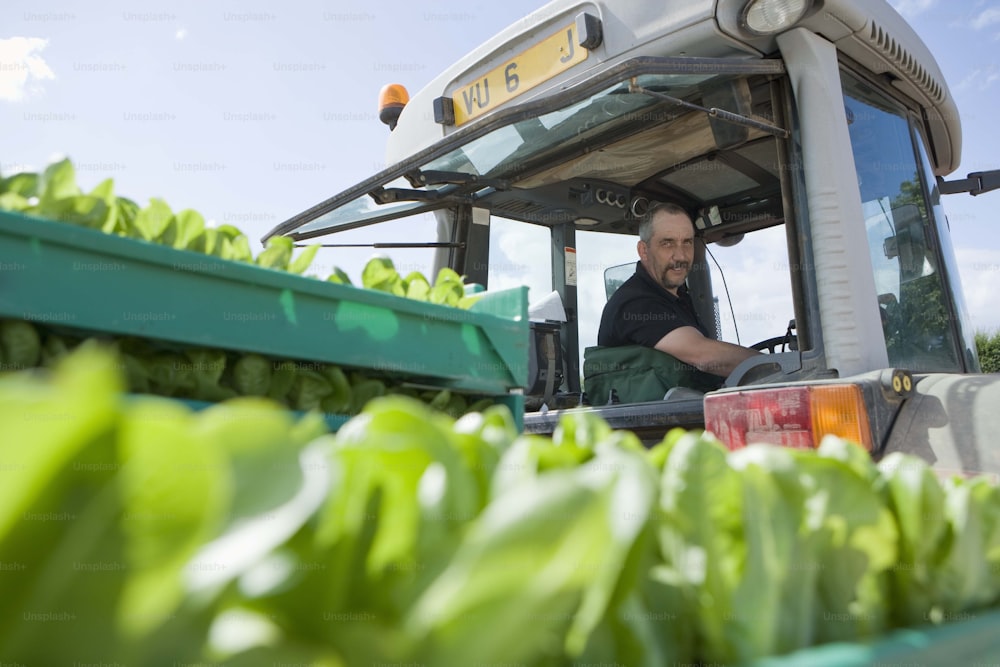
(251, 112)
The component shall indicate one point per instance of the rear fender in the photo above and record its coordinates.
(953, 422)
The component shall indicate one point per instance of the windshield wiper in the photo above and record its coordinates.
(464, 187)
(391, 195)
(400, 244)
(714, 112)
(432, 177)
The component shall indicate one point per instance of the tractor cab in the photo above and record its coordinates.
(580, 170)
(809, 147)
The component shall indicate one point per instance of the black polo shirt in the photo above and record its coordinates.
(641, 312)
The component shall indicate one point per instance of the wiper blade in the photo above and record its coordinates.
(391, 195)
(462, 187)
(400, 244)
(432, 177)
(714, 112)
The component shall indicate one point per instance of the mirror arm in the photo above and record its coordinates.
(975, 183)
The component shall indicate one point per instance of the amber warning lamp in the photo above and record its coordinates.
(391, 100)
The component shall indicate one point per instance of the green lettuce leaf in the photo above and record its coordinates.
(301, 263)
(277, 254)
(380, 274)
(151, 222)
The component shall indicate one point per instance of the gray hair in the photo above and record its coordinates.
(646, 222)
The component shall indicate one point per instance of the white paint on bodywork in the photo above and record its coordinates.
(851, 325)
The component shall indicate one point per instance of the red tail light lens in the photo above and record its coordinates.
(789, 416)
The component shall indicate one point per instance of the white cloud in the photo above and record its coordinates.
(911, 8)
(21, 67)
(597, 252)
(759, 287)
(980, 274)
(987, 18)
(180, 34)
(980, 78)
(521, 256)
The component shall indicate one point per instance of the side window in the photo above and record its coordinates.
(597, 252)
(520, 254)
(752, 289)
(949, 264)
(916, 319)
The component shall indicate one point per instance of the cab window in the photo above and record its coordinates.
(916, 319)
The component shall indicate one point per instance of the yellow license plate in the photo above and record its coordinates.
(537, 64)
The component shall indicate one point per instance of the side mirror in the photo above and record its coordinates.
(614, 276)
(908, 243)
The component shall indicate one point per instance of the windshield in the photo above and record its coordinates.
(612, 113)
(512, 144)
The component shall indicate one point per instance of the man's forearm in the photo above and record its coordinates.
(724, 357)
(711, 356)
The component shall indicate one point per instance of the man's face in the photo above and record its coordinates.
(669, 253)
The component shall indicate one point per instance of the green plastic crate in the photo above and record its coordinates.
(59, 274)
(971, 639)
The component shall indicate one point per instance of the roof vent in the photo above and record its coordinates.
(905, 61)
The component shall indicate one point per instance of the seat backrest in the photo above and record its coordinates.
(636, 373)
(545, 366)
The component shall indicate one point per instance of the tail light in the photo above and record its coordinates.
(789, 416)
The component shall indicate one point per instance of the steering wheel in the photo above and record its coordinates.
(756, 369)
(772, 344)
